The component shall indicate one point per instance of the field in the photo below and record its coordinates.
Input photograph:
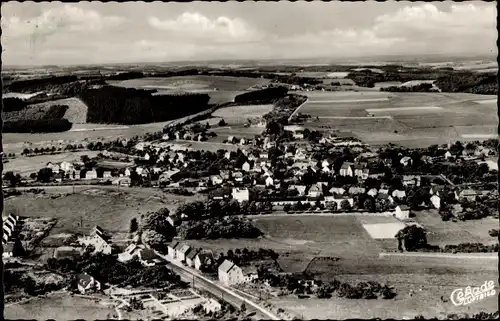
(76, 113)
(27, 165)
(110, 208)
(226, 87)
(59, 307)
(243, 112)
(410, 119)
(442, 233)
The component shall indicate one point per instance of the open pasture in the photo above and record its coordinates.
(220, 88)
(76, 113)
(340, 236)
(59, 307)
(443, 233)
(26, 165)
(242, 113)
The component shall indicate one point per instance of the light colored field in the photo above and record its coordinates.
(76, 113)
(412, 83)
(421, 108)
(384, 230)
(425, 301)
(371, 69)
(337, 74)
(480, 136)
(249, 111)
(386, 84)
(227, 87)
(63, 307)
(443, 233)
(27, 165)
(350, 100)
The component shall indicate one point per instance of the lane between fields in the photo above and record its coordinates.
(483, 256)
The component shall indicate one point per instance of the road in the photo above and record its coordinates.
(297, 110)
(478, 256)
(202, 283)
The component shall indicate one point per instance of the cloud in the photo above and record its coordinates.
(197, 26)
(423, 29)
(68, 18)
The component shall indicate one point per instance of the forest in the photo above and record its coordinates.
(37, 126)
(117, 105)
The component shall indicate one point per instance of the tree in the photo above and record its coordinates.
(11, 179)
(287, 207)
(369, 204)
(44, 175)
(17, 249)
(387, 292)
(332, 206)
(156, 240)
(413, 236)
(345, 206)
(134, 226)
(222, 123)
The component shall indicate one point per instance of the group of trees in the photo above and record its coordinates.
(37, 126)
(219, 208)
(263, 95)
(412, 237)
(469, 82)
(110, 104)
(362, 290)
(107, 269)
(424, 87)
(229, 227)
(11, 179)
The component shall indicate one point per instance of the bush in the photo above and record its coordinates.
(493, 233)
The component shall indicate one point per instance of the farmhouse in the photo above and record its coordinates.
(402, 212)
(87, 284)
(98, 240)
(130, 252)
(230, 273)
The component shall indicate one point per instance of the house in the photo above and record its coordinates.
(398, 194)
(147, 257)
(406, 160)
(147, 157)
(240, 194)
(301, 189)
(337, 190)
(356, 190)
(246, 167)
(230, 273)
(243, 141)
(128, 171)
(250, 273)
(269, 181)
(346, 169)
(402, 212)
(216, 179)
(469, 194)
(238, 176)
(87, 284)
(227, 155)
(122, 181)
(130, 252)
(54, 167)
(174, 220)
(98, 240)
(436, 201)
(383, 191)
(191, 257)
(264, 155)
(181, 252)
(203, 259)
(385, 197)
(225, 174)
(447, 155)
(358, 170)
(315, 190)
(66, 166)
(172, 249)
(372, 192)
(231, 139)
(8, 250)
(300, 154)
(91, 174)
(411, 180)
(436, 190)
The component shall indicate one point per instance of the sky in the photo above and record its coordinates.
(55, 33)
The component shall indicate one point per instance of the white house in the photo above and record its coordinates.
(66, 166)
(172, 249)
(372, 192)
(346, 170)
(87, 284)
(91, 174)
(402, 212)
(447, 155)
(216, 179)
(269, 181)
(230, 273)
(181, 252)
(190, 258)
(436, 201)
(240, 194)
(398, 194)
(337, 190)
(98, 240)
(203, 259)
(301, 189)
(406, 160)
(54, 167)
(130, 252)
(246, 167)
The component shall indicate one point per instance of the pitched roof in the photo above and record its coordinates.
(192, 254)
(147, 254)
(84, 279)
(204, 255)
(226, 266)
(184, 248)
(404, 207)
(174, 245)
